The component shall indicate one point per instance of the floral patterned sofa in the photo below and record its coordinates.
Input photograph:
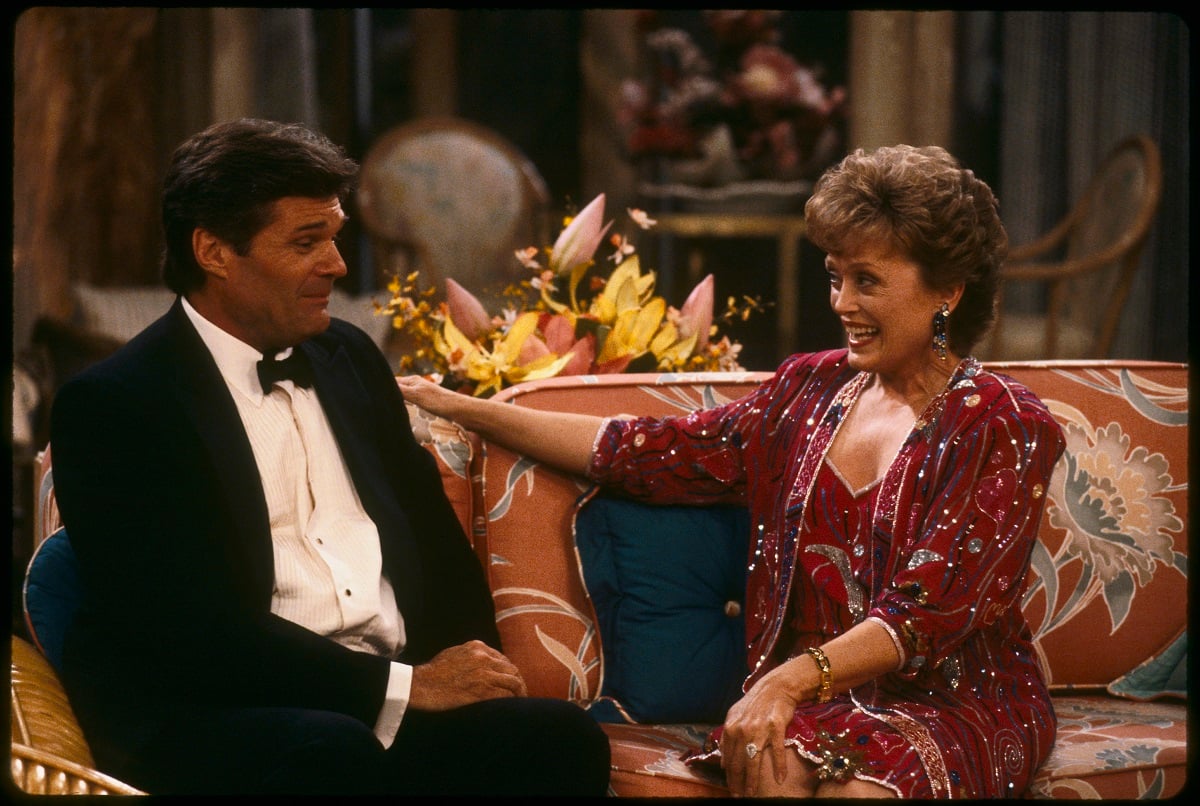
(588, 614)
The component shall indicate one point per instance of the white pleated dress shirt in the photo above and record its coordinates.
(328, 563)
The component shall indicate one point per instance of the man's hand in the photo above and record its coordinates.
(464, 674)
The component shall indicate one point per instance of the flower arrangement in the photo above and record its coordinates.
(609, 324)
(753, 112)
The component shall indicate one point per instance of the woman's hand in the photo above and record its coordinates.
(428, 395)
(760, 719)
(562, 440)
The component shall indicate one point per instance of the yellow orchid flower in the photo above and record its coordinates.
(633, 330)
(451, 340)
(627, 288)
(666, 338)
(672, 351)
(493, 369)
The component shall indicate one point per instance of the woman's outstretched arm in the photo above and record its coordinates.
(559, 439)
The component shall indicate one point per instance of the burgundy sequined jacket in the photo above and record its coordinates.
(959, 506)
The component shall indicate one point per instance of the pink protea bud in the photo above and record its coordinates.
(559, 333)
(697, 312)
(467, 312)
(532, 349)
(577, 243)
(583, 353)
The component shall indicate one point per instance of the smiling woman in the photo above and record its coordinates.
(875, 292)
(888, 544)
(918, 205)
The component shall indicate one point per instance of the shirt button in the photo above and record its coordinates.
(347, 591)
(639, 440)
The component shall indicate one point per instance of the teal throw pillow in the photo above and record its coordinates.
(1164, 675)
(668, 586)
(51, 594)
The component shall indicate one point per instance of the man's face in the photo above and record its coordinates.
(277, 294)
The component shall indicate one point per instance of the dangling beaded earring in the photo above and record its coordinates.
(939, 330)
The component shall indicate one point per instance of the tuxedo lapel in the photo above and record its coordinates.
(347, 404)
(204, 401)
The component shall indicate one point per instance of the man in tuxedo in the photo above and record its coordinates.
(278, 597)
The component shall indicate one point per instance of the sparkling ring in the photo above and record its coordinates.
(751, 750)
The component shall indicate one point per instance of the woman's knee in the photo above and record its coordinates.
(798, 779)
(854, 788)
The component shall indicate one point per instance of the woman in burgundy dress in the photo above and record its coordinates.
(894, 488)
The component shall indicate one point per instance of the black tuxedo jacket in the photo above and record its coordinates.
(162, 502)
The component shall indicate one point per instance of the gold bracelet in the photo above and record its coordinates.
(825, 689)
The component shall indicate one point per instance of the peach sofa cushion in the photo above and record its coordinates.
(1109, 748)
(1109, 587)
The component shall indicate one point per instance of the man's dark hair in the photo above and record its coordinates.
(227, 178)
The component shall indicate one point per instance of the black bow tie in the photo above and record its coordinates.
(294, 368)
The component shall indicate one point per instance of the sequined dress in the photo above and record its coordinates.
(935, 552)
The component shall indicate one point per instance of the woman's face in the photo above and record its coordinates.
(885, 308)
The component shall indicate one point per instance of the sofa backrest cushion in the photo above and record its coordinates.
(46, 518)
(1108, 588)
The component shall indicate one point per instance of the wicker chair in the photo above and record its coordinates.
(49, 753)
(1085, 264)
